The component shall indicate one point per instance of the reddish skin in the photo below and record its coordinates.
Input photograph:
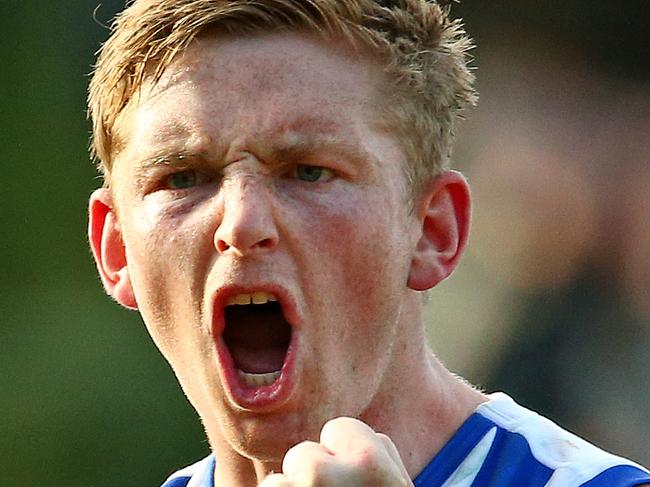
(249, 111)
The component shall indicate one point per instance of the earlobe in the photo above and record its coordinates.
(105, 237)
(444, 212)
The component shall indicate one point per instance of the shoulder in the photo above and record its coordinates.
(568, 460)
(199, 474)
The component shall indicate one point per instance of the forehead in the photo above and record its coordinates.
(266, 86)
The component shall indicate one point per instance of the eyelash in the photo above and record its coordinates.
(201, 177)
(328, 173)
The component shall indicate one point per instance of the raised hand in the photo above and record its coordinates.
(349, 454)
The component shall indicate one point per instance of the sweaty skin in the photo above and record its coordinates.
(259, 164)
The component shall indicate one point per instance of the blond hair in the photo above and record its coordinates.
(425, 54)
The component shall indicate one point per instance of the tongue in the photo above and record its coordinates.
(257, 337)
(257, 361)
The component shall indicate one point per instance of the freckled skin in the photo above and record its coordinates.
(342, 247)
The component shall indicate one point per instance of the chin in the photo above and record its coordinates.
(268, 440)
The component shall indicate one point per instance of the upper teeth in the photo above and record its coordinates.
(259, 297)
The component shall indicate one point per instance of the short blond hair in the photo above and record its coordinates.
(424, 51)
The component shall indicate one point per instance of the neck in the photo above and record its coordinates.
(422, 405)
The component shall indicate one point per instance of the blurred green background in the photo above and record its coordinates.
(86, 399)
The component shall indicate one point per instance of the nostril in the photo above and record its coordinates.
(222, 246)
(267, 243)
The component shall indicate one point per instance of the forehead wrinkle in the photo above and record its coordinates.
(159, 135)
(278, 134)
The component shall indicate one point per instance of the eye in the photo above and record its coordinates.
(184, 179)
(313, 174)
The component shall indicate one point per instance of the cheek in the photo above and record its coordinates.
(352, 234)
(167, 261)
(165, 250)
(354, 290)
(343, 250)
(169, 236)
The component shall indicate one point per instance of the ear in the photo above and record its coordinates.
(444, 213)
(105, 238)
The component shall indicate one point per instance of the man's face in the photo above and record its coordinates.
(253, 171)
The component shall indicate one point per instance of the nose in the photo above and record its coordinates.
(247, 225)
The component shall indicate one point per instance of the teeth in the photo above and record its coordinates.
(262, 297)
(258, 297)
(256, 380)
(241, 299)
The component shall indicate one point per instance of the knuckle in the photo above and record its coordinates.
(383, 437)
(367, 457)
(307, 460)
(336, 423)
(345, 426)
(377, 468)
(301, 450)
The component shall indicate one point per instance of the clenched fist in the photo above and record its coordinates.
(349, 454)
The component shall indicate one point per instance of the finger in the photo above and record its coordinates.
(357, 445)
(390, 447)
(393, 454)
(348, 436)
(306, 459)
(276, 480)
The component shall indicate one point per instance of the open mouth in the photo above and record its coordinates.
(257, 336)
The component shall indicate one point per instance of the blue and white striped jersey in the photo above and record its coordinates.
(501, 445)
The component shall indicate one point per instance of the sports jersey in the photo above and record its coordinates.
(501, 445)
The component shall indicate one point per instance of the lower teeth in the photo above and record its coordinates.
(258, 379)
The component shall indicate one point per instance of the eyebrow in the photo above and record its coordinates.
(296, 146)
(168, 158)
(289, 147)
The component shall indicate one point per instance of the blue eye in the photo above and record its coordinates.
(312, 174)
(182, 180)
